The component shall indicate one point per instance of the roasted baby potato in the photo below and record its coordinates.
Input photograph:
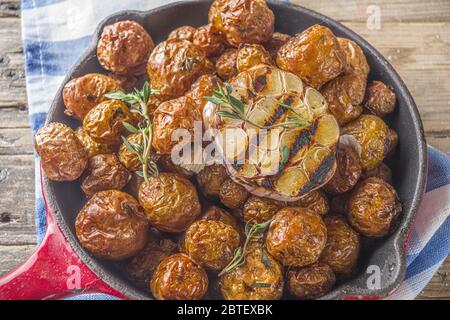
(310, 282)
(210, 179)
(259, 278)
(345, 95)
(347, 173)
(274, 44)
(218, 214)
(173, 67)
(104, 123)
(91, 147)
(178, 277)
(166, 164)
(112, 225)
(296, 237)
(380, 99)
(232, 195)
(226, 64)
(316, 201)
(373, 207)
(183, 33)
(374, 137)
(124, 48)
(210, 40)
(63, 157)
(342, 249)
(211, 243)
(104, 172)
(82, 94)
(260, 210)
(202, 88)
(170, 202)
(251, 55)
(242, 21)
(314, 55)
(356, 62)
(382, 171)
(128, 158)
(127, 82)
(141, 267)
(133, 186)
(170, 116)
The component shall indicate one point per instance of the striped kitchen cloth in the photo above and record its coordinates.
(56, 32)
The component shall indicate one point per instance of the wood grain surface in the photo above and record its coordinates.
(414, 35)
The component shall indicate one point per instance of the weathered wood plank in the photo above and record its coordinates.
(439, 286)
(10, 8)
(12, 256)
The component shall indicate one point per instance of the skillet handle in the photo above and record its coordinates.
(52, 272)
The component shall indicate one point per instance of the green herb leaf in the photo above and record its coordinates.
(285, 153)
(265, 260)
(130, 127)
(261, 285)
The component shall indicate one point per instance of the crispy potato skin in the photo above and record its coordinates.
(243, 21)
(82, 94)
(129, 159)
(275, 43)
(380, 99)
(342, 249)
(356, 62)
(251, 55)
(316, 201)
(104, 122)
(141, 267)
(178, 277)
(112, 225)
(171, 115)
(173, 67)
(226, 64)
(344, 96)
(259, 278)
(347, 173)
(218, 214)
(202, 88)
(211, 243)
(296, 237)
(210, 179)
(260, 210)
(373, 207)
(63, 157)
(374, 137)
(91, 147)
(183, 33)
(314, 55)
(127, 82)
(170, 202)
(210, 40)
(310, 282)
(233, 195)
(166, 164)
(124, 48)
(382, 171)
(133, 186)
(104, 172)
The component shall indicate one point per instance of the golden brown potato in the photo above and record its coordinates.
(211, 243)
(174, 66)
(259, 278)
(260, 210)
(344, 96)
(82, 94)
(356, 62)
(202, 88)
(226, 64)
(232, 195)
(382, 171)
(342, 249)
(112, 225)
(210, 179)
(104, 172)
(124, 48)
(393, 142)
(210, 40)
(243, 21)
(218, 214)
(373, 207)
(314, 55)
(91, 147)
(141, 267)
(63, 157)
(127, 82)
(275, 43)
(310, 282)
(104, 123)
(183, 33)
(134, 185)
(296, 237)
(316, 201)
(167, 165)
(178, 277)
(347, 173)
(170, 202)
(128, 158)
(170, 116)
(374, 137)
(251, 55)
(380, 99)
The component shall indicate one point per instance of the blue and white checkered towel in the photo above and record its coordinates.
(55, 34)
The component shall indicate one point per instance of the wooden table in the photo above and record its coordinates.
(413, 34)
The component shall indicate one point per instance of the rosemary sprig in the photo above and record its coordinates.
(187, 63)
(138, 100)
(251, 230)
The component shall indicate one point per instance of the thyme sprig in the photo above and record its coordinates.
(187, 63)
(138, 100)
(250, 231)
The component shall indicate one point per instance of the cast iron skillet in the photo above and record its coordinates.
(409, 164)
